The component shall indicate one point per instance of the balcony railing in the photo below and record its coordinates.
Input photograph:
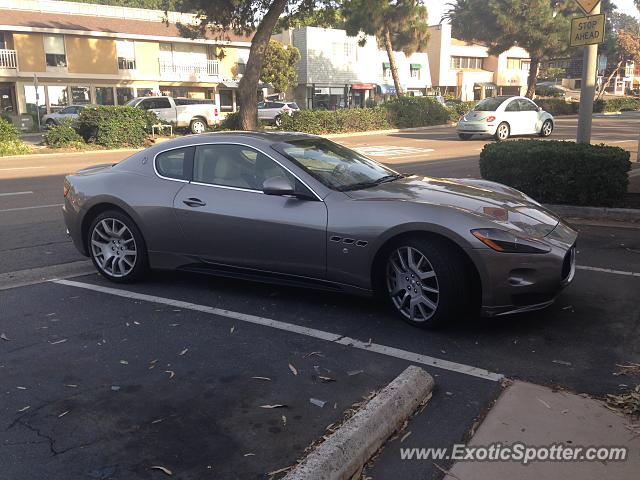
(8, 59)
(207, 68)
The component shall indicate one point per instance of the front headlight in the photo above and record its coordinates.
(509, 242)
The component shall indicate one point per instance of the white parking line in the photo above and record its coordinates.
(608, 270)
(309, 332)
(18, 168)
(31, 208)
(14, 193)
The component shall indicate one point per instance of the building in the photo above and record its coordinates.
(55, 53)
(467, 71)
(336, 71)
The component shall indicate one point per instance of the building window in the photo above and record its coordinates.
(126, 55)
(35, 101)
(54, 51)
(468, 63)
(518, 64)
(124, 94)
(241, 67)
(386, 70)
(80, 95)
(3, 43)
(415, 70)
(348, 49)
(226, 100)
(104, 96)
(58, 97)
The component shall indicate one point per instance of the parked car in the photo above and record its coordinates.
(549, 91)
(272, 111)
(504, 116)
(70, 112)
(302, 210)
(191, 113)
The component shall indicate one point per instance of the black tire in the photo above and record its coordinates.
(547, 128)
(50, 123)
(500, 135)
(141, 263)
(464, 136)
(197, 126)
(451, 276)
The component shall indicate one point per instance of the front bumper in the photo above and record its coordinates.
(515, 283)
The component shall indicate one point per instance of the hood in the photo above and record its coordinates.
(498, 203)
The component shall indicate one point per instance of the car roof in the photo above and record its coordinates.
(233, 136)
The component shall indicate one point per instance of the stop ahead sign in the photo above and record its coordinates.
(587, 30)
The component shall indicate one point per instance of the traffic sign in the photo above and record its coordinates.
(587, 6)
(587, 30)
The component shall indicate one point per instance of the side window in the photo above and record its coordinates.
(512, 107)
(527, 106)
(176, 164)
(162, 103)
(235, 166)
(145, 104)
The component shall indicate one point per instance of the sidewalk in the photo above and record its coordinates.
(538, 416)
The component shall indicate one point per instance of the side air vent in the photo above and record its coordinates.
(361, 243)
(335, 238)
(348, 241)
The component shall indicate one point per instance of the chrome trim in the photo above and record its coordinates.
(228, 187)
(224, 186)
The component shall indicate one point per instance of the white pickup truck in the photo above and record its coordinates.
(192, 113)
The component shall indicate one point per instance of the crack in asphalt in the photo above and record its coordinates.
(37, 431)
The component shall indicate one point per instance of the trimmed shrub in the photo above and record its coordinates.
(559, 172)
(8, 131)
(407, 112)
(115, 126)
(620, 104)
(230, 122)
(344, 120)
(13, 147)
(457, 109)
(558, 106)
(63, 135)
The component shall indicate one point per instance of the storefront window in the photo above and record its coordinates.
(80, 95)
(104, 96)
(35, 101)
(226, 100)
(6, 100)
(145, 92)
(124, 94)
(58, 97)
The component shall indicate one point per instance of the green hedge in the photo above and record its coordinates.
(13, 147)
(457, 109)
(63, 135)
(619, 104)
(8, 131)
(407, 112)
(559, 172)
(320, 122)
(113, 127)
(558, 106)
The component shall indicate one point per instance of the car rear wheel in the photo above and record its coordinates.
(547, 128)
(426, 281)
(502, 132)
(50, 123)
(464, 136)
(198, 126)
(278, 121)
(117, 248)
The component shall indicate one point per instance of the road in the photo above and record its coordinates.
(104, 381)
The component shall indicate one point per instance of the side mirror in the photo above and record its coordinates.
(539, 109)
(277, 186)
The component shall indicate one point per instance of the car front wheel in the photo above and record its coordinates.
(502, 132)
(547, 128)
(426, 281)
(117, 248)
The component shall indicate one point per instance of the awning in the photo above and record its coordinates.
(386, 65)
(363, 86)
(387, 89)
(415, 66)
(229, 84)
(488, 85)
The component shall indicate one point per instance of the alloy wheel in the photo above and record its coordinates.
(113, 247)
(412, 284)
(503, 131)
(547, 128)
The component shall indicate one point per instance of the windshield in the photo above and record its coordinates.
(489, 104)
(335, 166)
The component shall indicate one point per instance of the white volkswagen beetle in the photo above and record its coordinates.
(504, 116)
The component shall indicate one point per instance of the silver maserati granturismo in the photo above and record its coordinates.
(302, 210)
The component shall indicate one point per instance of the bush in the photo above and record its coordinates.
(344, 120)
(558, 106)
(8, 131)
(230, 122)
(459, 108)
(114, 127)
(63, 135)
(620, 104)
(13, 147)
(559, 172)
(407, 112)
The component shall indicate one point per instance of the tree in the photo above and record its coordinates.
(248, 17)
(539, 26)
(399, 24)
(328, 17)
(626, 47)
(279, 68)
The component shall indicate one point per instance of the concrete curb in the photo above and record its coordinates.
(595, 213)
(391, 130)
(350, 447)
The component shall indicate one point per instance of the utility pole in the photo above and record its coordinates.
(587, 88)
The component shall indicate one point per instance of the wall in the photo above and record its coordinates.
(30, 48)
(91, 55)
(227, 65)
(147, 59)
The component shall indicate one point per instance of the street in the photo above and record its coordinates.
(219, 378)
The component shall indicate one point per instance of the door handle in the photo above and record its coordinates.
(194, 202)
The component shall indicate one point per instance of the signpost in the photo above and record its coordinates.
(587, 32)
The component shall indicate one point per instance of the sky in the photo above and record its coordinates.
(437, 7)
